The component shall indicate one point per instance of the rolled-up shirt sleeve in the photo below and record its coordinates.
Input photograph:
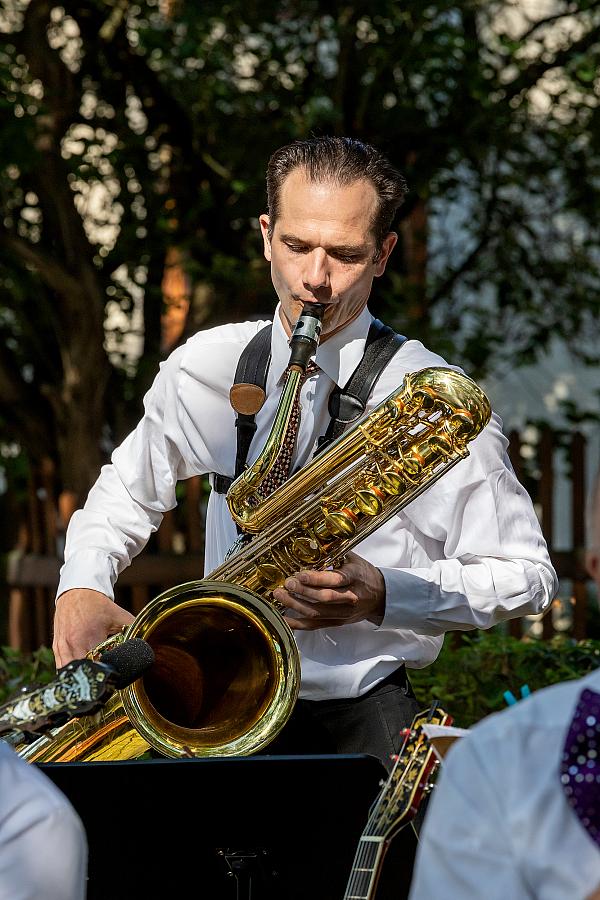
(479, 556)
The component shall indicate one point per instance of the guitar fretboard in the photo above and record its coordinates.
(366, 866)
(396, 804)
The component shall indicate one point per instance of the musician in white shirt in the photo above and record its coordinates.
(43, 844)
(499, 824)
(466, 554)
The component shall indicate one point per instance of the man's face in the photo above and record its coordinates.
(322, 249)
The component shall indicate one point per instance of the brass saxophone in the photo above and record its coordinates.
(227, 669)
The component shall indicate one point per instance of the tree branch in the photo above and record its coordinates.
(532, 74)
(549, 20)
(52, 272)
(445, 288)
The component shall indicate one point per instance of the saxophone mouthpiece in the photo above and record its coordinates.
(306, 335)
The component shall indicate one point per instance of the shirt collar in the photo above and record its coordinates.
(337, 357)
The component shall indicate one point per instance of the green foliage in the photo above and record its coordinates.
(470, 680)
(24, 671)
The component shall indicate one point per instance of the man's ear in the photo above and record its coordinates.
(264, 227)
(389, 242)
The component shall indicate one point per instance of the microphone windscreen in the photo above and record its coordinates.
(129, 660)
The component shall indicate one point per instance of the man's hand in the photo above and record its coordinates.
(84, 618)
(354, 592)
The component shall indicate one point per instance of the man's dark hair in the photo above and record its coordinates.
(341, 160)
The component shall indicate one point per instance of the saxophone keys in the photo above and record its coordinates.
(394, 408)
(392, 483)
(268, 575)
(341, 523)
(413, 463)
(307, 550)
(425, 398)
(369, 501)
(461, 424)
(441, 444)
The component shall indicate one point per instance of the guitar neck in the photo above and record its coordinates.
(366, 868)
(396, 805)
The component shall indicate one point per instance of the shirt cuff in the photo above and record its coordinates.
(88, 569)
(407, 599)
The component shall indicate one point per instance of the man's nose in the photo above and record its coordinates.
(316, 273)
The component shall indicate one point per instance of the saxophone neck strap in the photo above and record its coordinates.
(252, 368)
(345, 404)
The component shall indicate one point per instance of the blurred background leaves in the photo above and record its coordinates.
(136, 137)
(472, 673)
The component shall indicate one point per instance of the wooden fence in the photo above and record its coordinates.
(175, 553)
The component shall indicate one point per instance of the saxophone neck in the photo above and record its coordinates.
(243, 497)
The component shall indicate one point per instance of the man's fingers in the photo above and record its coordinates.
(84, 618)
(318, 599)
(328, 579)
(340, 610)
(323, 578)
(312, 596)
(64, 655)
(65, 651)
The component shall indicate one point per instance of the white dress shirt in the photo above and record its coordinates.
(43, 844)
(466, 554)
(498, 825)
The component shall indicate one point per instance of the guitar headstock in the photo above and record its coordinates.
(400, 796)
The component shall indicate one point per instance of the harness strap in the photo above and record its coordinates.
(345, 404)
(252, 368)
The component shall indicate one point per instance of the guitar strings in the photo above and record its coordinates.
(362, 873)
(360, 879)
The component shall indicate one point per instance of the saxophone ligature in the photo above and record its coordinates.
(226, 673)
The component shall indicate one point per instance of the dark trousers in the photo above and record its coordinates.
(370, 724)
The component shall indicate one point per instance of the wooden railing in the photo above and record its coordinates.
(571, 608)
(174, 554)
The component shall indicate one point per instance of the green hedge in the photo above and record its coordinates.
(469, 679)
(24, 671)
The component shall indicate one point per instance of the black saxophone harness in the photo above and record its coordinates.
(346, 404)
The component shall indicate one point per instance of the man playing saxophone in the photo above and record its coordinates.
(467, 553)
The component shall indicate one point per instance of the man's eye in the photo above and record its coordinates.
(297, 248)
(341, 257)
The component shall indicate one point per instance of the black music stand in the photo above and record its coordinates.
(243, 828)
